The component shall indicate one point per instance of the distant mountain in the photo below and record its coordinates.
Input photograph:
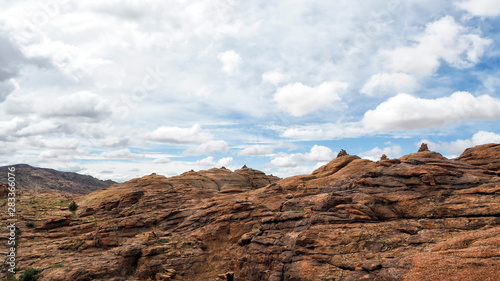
(41, 179)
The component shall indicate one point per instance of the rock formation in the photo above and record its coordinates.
(420, 217)
(423, 147)
(342, 153)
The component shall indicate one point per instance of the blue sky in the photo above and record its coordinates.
(121, 89)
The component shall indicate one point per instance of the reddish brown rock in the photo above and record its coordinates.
(423, 147)
(342, 153)
(420, 217)
(484, 156)
(4, 190)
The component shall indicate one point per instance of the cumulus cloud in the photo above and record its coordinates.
(52, 156)
(38, 128)
(80, 104)
(54, 143)
(209, 148)
(113, 141)
(274, 77)
(209, 162)
(120, 154)
(177, 135)
(457, 147)
(406, 112)
(444, 39)
(317, 153)
(383, 84)
(10, 127)
(481, 8)
(256, 150)
(327, 131)
(163, 160)
(375, 153)
(231, 62)
(299, 100)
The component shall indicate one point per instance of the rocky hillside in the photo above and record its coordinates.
(420, 217)
(30, 178)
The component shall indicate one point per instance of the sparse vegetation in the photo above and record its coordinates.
(31, 274)
(164, 240)
(57, 265)
(73, 206)
(30, 224)
(186, 245)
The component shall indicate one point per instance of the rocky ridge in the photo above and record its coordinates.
(419, 217)
(30, 178)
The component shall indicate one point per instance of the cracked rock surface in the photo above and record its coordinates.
(420, 217)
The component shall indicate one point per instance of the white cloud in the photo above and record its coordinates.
(54, 143)
(457, 147)
(80, 104)
(284, 172)
(224, 162)
(298, 99)
(53, 156)
(111, 141)
(109, 48)
(375, 153)
(383, 84)
(82, 61)
(210, 163)
(482, 8)
(406, 112)
(231, 62)
(317, 153)
(120, 154)
(444, 39)
(256, 150)
(274, 77)
(8, 128)
(162, 160)
(38, 128)
(177, 135)
(210, 148)
(327, 131)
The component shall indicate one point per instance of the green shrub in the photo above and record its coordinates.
(72, 206)
(57, 265)
(30, 224)
(31, 274)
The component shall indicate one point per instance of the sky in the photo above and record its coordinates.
(122, 89)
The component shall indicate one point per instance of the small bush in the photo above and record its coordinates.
(164, 240)
(57, 265)
(31, 274)
(30, 224)
(72, 206)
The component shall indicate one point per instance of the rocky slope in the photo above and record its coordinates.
(43, 180)
(420, 217)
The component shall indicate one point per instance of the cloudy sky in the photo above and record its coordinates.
(120, 89)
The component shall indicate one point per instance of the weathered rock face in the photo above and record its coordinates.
(4, 190)
(420, 217)
(481, 156)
